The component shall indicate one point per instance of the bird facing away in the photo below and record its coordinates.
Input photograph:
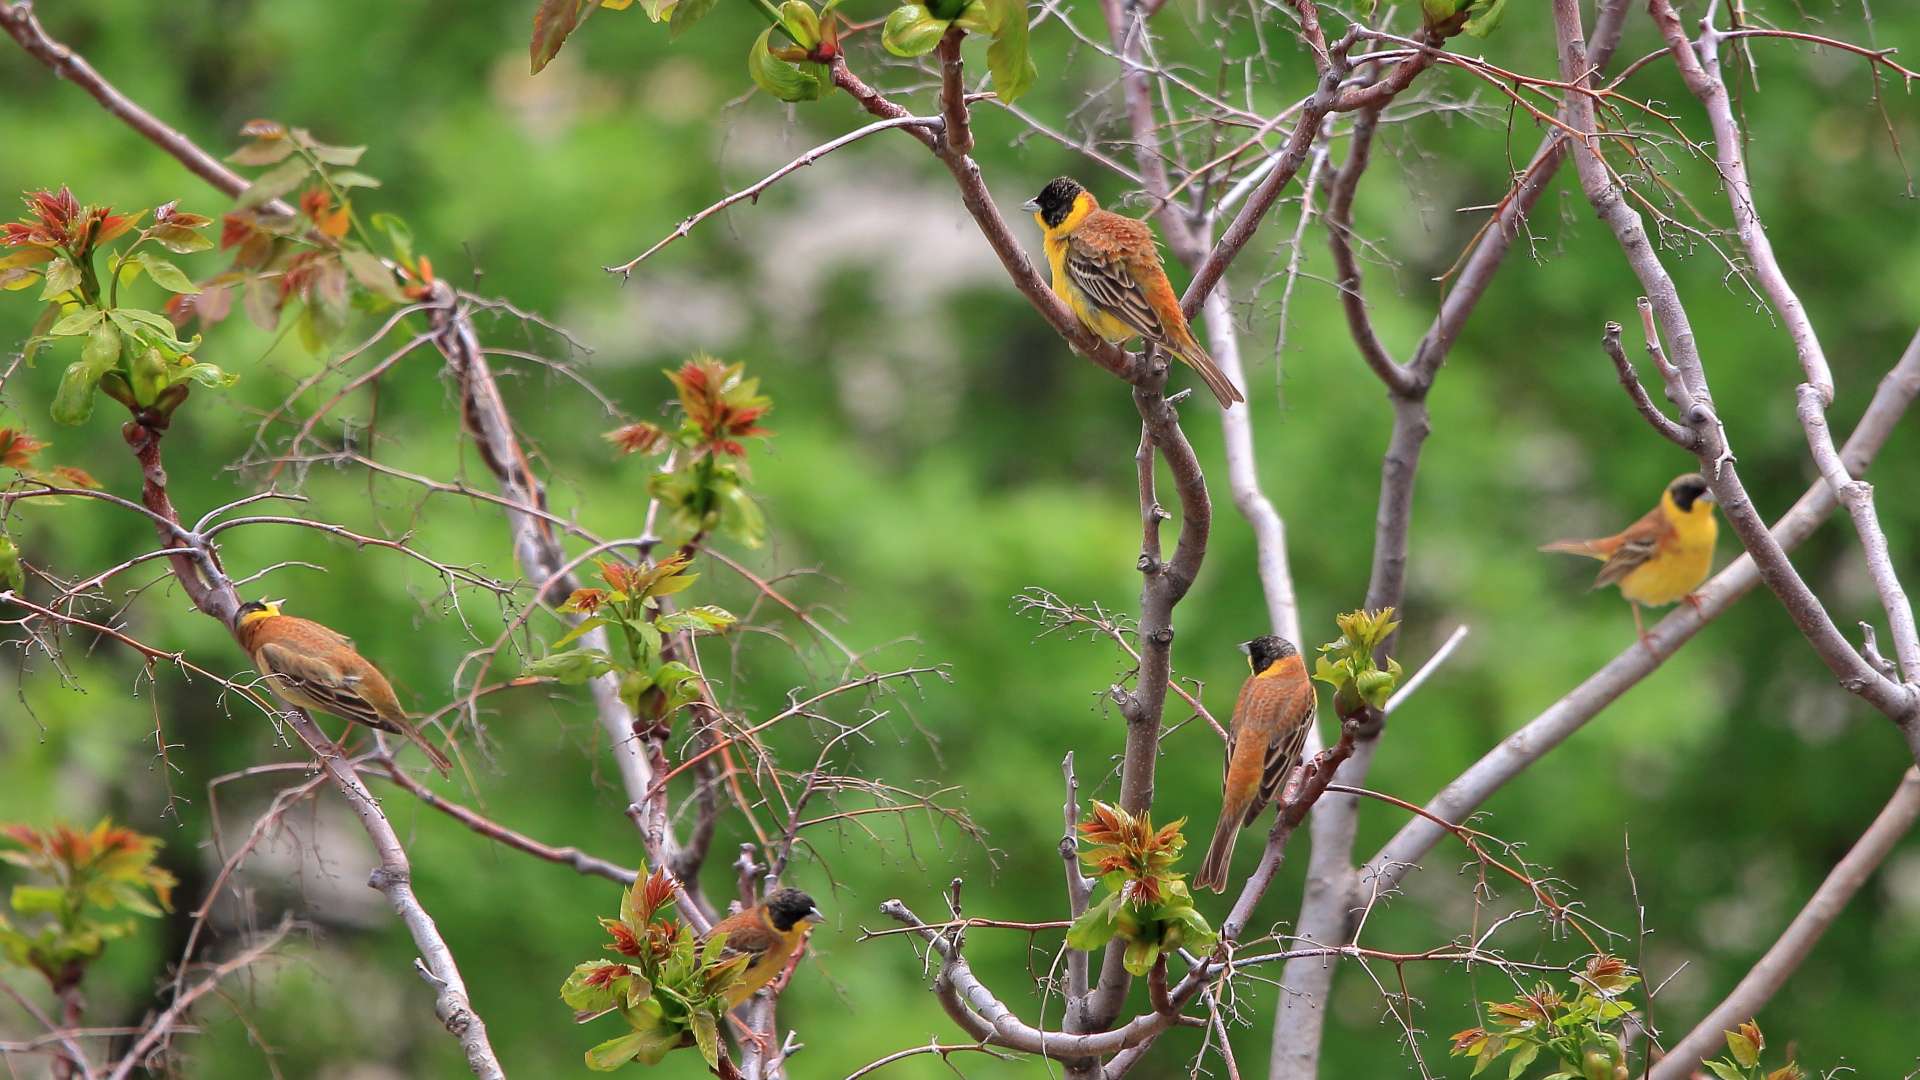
(1107, 269)
(1662, 557)
(769, 933)
(1270, 723)
(314, 668)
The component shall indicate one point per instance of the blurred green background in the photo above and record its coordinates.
(938, 451)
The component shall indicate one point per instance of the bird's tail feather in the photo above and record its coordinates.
(1216, 380)
(1576, 547)
(434, 753)
(1213, 869)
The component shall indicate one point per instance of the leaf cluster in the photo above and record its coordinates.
(133, 354)
(1147, 905)
(668, 985)
(1581, 1031)
(1347, 663)
(102, 869)
(1743, 1058)
(630, 604)
(705, 486)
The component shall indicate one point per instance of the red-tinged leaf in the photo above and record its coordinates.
(72, 477)
(17, 450)
(552, 23)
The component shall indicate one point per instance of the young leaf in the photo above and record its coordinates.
(614, 1053)
(165, 274)
(13, 574)
(552, 23)
(776, 76)
(274, 183)
(572, 667)
(912, 31)
(1012, 69)
(61, 276)
(685, 14)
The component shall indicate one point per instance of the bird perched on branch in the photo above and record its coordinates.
(312, 667)
(1662, 557)
(1107, 269)
(770, 933)
(1270, 723)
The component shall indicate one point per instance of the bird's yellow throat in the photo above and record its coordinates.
(1083, 204)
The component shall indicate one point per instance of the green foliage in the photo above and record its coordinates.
(1147, 905)
(670, 987)
(1347, 663)
(705, 487)
(98, 870)
(650, 684)
(131, 353)
(1743, 1058)
(915, 29)
(1581, 1032)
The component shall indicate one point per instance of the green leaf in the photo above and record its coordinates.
(614, 1053)
(206, 375)
(797, 18)
(348, 178)
(740, 518)
(399, 233)
(1743, 1050)
(552, 23)
(166, 275)
(13, 574)
(261, 300)
(179, 239)
(263, 151)
(339, 155)
(685, 14)
(37, 900)
(912, 31)
(1487, 20)
(776, 76)
(373, 275)
(274, 183)
(80, 322)
(572, 667)
(1523, 1059)
(61, 276)
(706, 1033)
(669, 585)
(1140, 956)
(39, 336)
(1725, 1069)
(1096, 926)
(584, 626)
(27, 256)
(1012, 69)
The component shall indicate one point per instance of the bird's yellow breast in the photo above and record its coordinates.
(1682, 562)
(1055, 240)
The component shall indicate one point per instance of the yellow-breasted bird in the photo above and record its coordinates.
(312, 667)
(1270, 724)
(1662, 557)
(770, 933)
(1107, 269)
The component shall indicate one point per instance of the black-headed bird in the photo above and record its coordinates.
(1270, 724)
(1662, 557)
(770, 933)
(1107, 269)
(314, 668)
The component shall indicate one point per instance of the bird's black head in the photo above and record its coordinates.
(1688, 489)
(1263, 652)
(1055, 201)
(789, 906)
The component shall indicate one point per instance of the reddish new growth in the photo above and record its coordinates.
(636, 932)
(105, 860)
(1124, 844)
(641, 438)
(59, 222)
(724, 406)
(585, 601)
(17, 448)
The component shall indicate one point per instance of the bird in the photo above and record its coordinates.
(1270, 724)
(1107, 269)
(313, 667)
(770, 933)
(1662, 557)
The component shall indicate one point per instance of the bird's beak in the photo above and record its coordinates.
(1245, 647)
(814, 915)
(1031, 206)
(1707, 497)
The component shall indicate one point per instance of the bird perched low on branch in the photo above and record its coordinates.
(1662, 557)
(314, 668)
(1270, 724)
(1107, 269)
(770, 933)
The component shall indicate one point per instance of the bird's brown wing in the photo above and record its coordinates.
(1100, 258)
(321, 685)
(1638, 544)
(1282, 710)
